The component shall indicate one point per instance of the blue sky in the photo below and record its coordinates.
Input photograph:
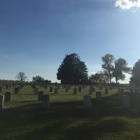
(35, 35)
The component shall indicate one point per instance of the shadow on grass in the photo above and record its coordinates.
(67, 120)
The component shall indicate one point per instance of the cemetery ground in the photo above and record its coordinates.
(67, 119)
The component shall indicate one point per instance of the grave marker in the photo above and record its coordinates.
(45, 102)
(87, 101)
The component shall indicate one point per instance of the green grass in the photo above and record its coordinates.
(23, 118)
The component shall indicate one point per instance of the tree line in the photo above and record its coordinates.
(21, 76)
(74, 71)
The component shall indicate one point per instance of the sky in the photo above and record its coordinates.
(35, 35)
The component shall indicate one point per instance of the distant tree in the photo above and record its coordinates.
(21, 76)
(37, 79)
(47, 81)
(108, 66)
(72, 70)
(92, 78)
(135, 79)
(103, 79)
(120, 68)
(99, 78)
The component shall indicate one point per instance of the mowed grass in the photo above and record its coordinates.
(23, 118)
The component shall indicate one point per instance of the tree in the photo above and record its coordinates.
(99, 78)
(135, 79)
(47, 81)
(37, 79)
(95, 78)
(120, 68)
(108, 66)
(21, 76)
(72, 70)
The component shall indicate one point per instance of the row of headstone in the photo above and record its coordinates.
(45, 100)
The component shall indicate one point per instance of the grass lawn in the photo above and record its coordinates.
(23, 118)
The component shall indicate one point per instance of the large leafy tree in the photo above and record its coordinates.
(120, 67)
(135, 79)
(21, 76)
(107, 66)
(72, 70)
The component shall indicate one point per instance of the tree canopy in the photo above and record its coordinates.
(115, 68)
(108, 65)
(119, 68)
(37, 79)
(21, 76)
(72, 70)
(135, 79)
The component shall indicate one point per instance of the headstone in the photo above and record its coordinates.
(16, 90)
(90, 90)
(87, 101)
(56, 91)
(101, 88)
(1, 101)
(8, 96)
(119, 90)
(136, 91)
(106, 91)
(75, 91)
(98, 95)
(66, 89)
(131, 90)
(120, 95)
(79, 89)
(122, 90)
(51, 89)
(7, 86)
(93, 89)
(40, 94)
(1, 89)
(36, 90)
(45, 102)
(126, 101)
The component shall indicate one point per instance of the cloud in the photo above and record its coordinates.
(127, 4)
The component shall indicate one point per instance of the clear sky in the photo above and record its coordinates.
(35, 35)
